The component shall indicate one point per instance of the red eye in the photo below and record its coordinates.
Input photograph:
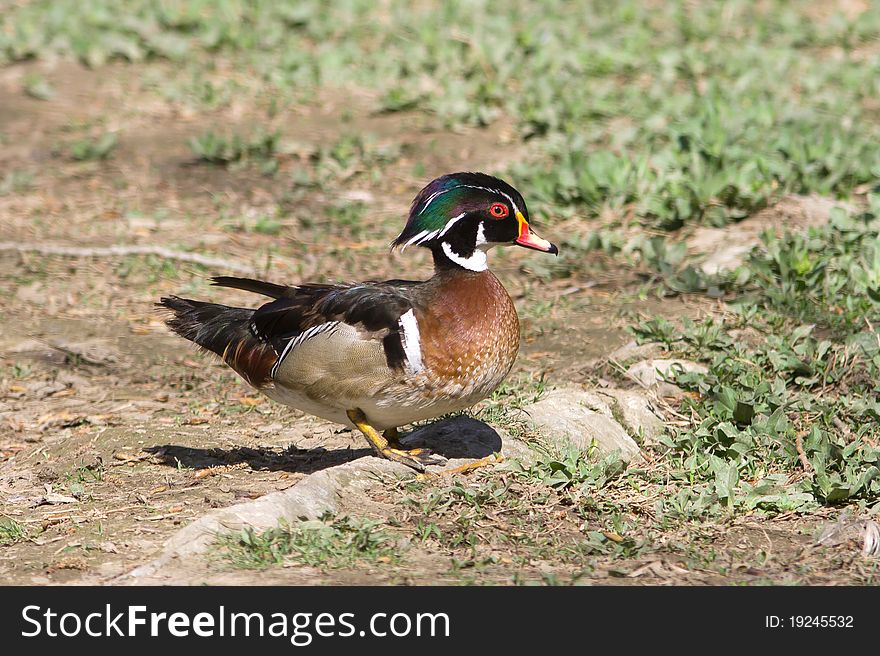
(498, 210)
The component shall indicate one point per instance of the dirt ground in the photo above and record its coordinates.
(114, 433)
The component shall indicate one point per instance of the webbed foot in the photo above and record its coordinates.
(387, 446)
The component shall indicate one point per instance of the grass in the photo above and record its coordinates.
(571, 467)
(11, 531)
(787, 416)
(78, 479)
(624, 118)
(478, 524)
(331, 542)
(16, 181)
(353, 153)
(93, 149)
(38, 87)
(226, 149)
(667, 115)
(345, 218)
(524, 516)
(784, 422)
(266, 225)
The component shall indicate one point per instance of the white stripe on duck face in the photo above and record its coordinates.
(293, 342)
(451, 223)
(411, 341)
(477, 261)
(424, 235)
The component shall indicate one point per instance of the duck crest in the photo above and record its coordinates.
(438, 207)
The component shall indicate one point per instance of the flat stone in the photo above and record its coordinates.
(596, 401)
(726, 248)
(634, 351)
(309, 498)
(636, 414)
(460, 439)
(652, 373)
(573, 415)
(861, 530)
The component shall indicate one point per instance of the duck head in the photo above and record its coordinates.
(460, 216)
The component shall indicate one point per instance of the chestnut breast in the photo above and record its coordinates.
(469, 331)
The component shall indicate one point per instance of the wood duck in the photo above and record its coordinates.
(379, 355)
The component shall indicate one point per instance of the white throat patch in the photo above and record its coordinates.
(478, 260)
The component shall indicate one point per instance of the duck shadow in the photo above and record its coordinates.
(456, 437)
(292, 459)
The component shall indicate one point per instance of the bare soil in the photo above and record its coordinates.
(114, 433)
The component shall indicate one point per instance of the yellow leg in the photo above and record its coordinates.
(466, 467)
(418, 459)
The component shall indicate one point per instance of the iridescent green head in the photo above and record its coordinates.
(461, 215)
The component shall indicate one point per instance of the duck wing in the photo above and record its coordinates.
(369, 311)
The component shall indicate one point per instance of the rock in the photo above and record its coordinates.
(596, 402)
(90, 351)
(860, 530)
(310, 498)
(635, 412)
(726, 248)
(654, 373)
(633, 351)
(461, 439)
(573, 415)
